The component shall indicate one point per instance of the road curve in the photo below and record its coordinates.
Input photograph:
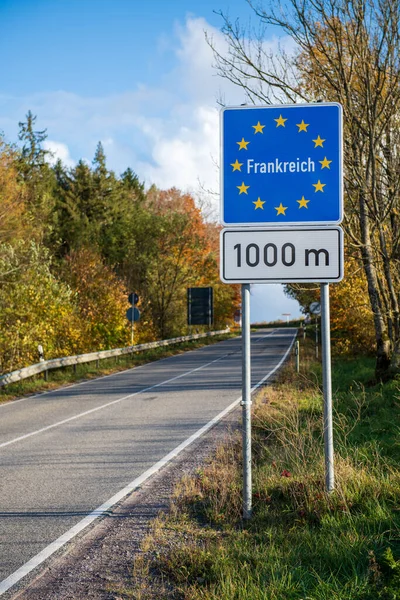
(64, 455)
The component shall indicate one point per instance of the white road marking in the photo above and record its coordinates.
(64, 387)
(92, 410)
(88, 412)
(37, 560)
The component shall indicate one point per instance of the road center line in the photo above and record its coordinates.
(92, 410)
(88, 412)
(37, 560)
(76, 384)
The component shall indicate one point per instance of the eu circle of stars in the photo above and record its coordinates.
(282, 165)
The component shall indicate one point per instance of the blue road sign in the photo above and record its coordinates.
(282, 165)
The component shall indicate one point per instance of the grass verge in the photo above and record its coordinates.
(301, 543)
(66, 375)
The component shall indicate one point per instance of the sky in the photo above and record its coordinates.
(136, 75)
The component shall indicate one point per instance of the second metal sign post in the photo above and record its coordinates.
(281, 204)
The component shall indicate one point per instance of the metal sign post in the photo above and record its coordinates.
(133, 314)
(281, 204)
(327, 383)
(246, 402)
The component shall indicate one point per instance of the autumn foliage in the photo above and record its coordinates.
(75, 242)
(352, 323)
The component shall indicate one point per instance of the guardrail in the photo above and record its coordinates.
(66, 361)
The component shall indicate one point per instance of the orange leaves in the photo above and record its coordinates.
(12, 197)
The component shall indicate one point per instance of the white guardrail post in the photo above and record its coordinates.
(66, 361)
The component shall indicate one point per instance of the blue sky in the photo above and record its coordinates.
(136, 75)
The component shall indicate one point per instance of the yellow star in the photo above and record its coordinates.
(236, 165)
(242, 188)
(302, 126)
(280, 122)
(325, 163)
(319, 142)
(319, 187)
(243, 145)
(281, 209)
(258, 128)
(303, 203)
(259, 203)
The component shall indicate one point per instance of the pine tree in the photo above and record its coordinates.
(33, 154)
(38, 177)
(130, 182)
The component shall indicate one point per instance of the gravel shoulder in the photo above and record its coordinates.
(100, 561)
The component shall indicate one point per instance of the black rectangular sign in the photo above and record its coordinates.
(200, 308)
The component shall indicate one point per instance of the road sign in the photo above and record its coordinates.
(200, 306)
(133, 314)
(133, 298)
(282, 165)
(286, 255)
(315, 308)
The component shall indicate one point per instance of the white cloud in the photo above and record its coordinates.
(168, 134)
(195, 68)
(185, 149)
(58, 151)
(185, 158)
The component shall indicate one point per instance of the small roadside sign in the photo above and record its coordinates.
(133, 314)
(281, 165)
(315, 308)
(133, 298)
(289, 255)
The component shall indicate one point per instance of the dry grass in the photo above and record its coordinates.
(301, 542)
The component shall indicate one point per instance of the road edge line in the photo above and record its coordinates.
(44, 554)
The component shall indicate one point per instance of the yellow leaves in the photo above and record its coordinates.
(351, 316)
(102, 299)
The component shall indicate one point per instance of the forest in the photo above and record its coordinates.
(74, 242)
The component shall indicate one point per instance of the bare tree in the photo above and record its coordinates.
(347, 52)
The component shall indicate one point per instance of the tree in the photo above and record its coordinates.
(35, 308)
(102, 299)
(37, 176)
(131, 182)
(346, 52)
(97, 210)
(32, 151)
(227, 298)
(179, 239)
(13, 218)
(352, 325)
(74, 208)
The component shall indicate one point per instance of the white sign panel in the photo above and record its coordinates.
(258, 255)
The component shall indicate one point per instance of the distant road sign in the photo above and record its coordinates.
(315, 308)
(133, 314)
(287, 255)
(282, 165)
(200, 308)
(133, 298)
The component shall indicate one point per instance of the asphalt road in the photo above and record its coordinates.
(65, 453)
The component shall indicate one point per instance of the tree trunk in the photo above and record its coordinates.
(381, 336)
